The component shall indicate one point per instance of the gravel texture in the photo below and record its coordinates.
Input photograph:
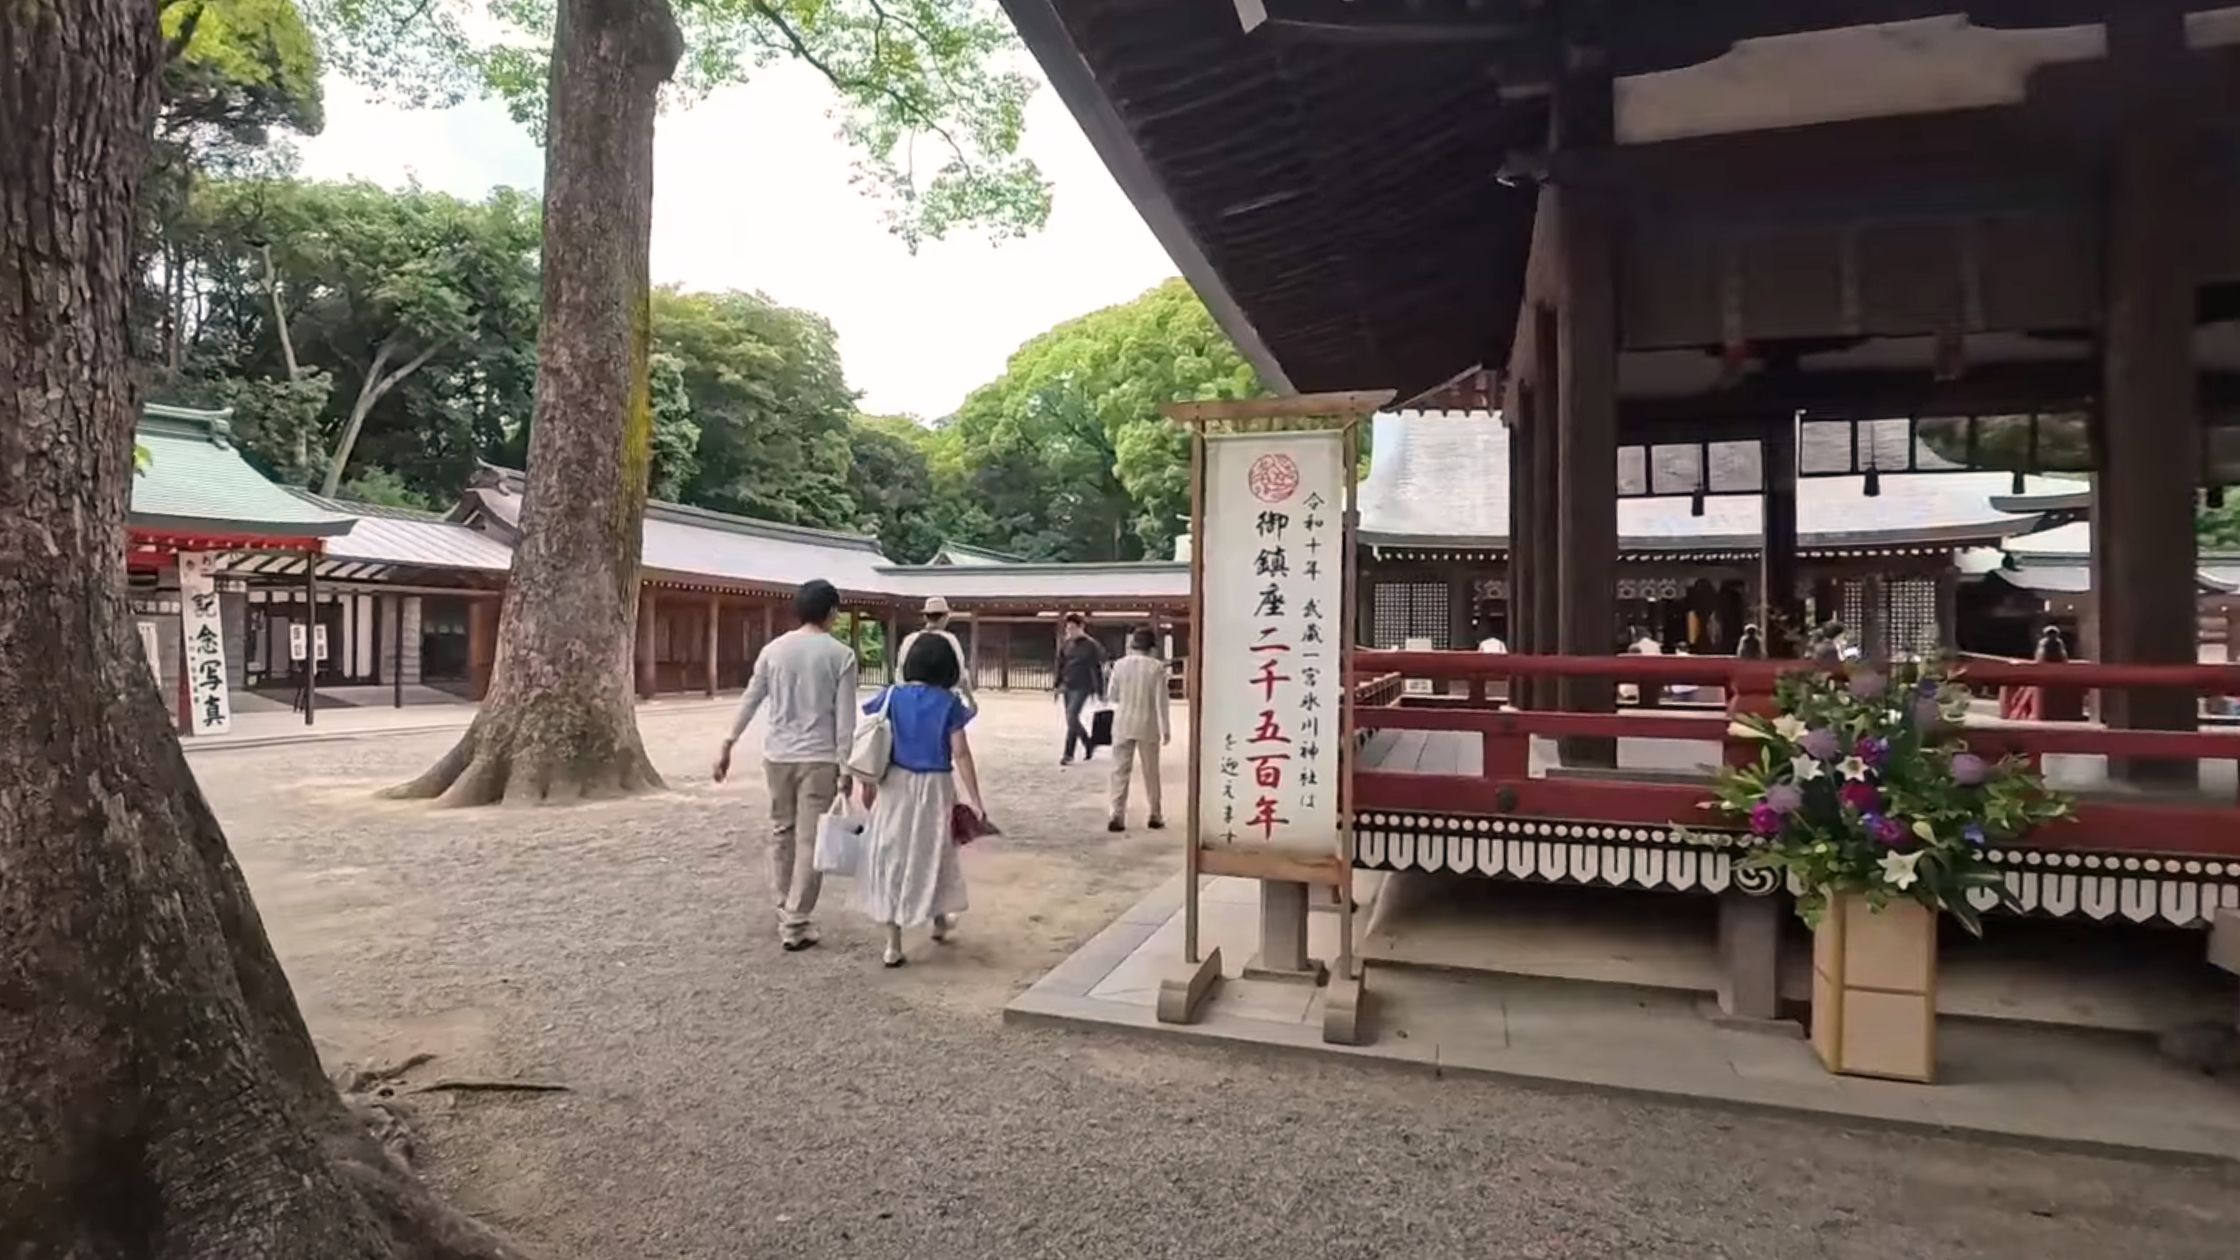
(731, 1100)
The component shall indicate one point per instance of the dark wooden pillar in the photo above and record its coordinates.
(855, 637)
(2150, 439)
(1948, 609)
(1546, 500)
(714, 640)
(769, 629)
(1523, 568)
(482, 646)
(891, 650)
(648, 627)
(1779, 615)
(972, 649)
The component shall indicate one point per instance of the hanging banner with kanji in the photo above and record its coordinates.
(203, 634)
(1271, 670)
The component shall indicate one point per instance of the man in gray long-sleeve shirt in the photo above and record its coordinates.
(807, 681)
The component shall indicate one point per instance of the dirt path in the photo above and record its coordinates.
(731, 1100)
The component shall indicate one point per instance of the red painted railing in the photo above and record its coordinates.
(1505, 786)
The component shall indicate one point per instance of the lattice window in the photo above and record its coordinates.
(1854, 614)
(1411, 610)
(1910, 616)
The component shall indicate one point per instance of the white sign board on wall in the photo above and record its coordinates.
(202, 632)
(1272, 651)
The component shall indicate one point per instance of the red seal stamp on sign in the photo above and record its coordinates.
(1273, 478)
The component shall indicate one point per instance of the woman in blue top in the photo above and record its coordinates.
(909, 873)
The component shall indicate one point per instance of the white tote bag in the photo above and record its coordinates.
(873, 748)
(840, 840)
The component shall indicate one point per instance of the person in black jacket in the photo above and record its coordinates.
(1079, 677)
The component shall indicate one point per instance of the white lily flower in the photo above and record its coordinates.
(1789, 727)
(1805, 769)
(1743, 730)
(1853, 769)
(1898, 872)
(1922, 829)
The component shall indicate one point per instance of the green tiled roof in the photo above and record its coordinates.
(196, 482)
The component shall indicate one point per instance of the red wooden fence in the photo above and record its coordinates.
(1506, 787)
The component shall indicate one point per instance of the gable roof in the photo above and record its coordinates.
(682, 542)
(960, 554)
(197, 483)
(409, 538)
(1441, 479)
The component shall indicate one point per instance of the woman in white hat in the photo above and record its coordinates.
(937, 622)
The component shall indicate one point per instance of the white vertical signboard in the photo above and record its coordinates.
(1271, 669)
(203, 634)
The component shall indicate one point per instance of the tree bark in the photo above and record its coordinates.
(559, 722)
(373, 389)
(159, 1094)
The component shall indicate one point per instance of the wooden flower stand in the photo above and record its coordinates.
(1874, 989)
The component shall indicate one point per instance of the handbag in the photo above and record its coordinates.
(840, 840)
(1100, 728)
(966, 825)
(872, 750)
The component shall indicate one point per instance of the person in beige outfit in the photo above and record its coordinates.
(1140, 726)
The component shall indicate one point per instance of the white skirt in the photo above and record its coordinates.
(910, 871)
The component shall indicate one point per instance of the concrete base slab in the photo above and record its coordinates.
(2032, 1083)
(1257, 968)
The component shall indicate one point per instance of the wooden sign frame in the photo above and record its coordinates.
(1257, 416)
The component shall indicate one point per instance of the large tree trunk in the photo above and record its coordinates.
(159, 1095)
(558, 722)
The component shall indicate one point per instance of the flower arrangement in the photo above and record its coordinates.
(1862, 787)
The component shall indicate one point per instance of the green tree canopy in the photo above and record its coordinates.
(930, 90)
(401, 325)
(770, 401)
(1065, 456)
(891, 482)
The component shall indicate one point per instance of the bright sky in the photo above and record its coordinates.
(752, 191)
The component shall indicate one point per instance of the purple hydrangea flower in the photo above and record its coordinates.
(1927, 687)
(1885, 830)
(1861, 796)
(1973, 834)
(1785, 798)
(1875, 752)
(1867, 684)
(1819, 743)
(1969, 770)
(1765, 820)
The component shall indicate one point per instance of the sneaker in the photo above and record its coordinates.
(1157, 823)
(892, 958)
(795, 944)
(1066, 760)
(944, 927)
(1116, 826)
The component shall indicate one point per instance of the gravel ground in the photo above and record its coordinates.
(730, 1100)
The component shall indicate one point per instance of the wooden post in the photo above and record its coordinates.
(972, 650)
(648, 680)
(1586, 432)
(855, 638)
(310, 639)
(2150, 439)
(1948, 608)
(891, 649)
(1779, 619)
(2232, 634)
(1523, 571)
(769, 629)
(482, 645)
(714, 641)
(396, 659)
(1546, 503)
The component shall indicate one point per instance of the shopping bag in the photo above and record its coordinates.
(1100, 729)
(873, 748)
(840, 841)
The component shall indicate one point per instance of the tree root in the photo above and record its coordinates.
(469, 1085)
(538, 751)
